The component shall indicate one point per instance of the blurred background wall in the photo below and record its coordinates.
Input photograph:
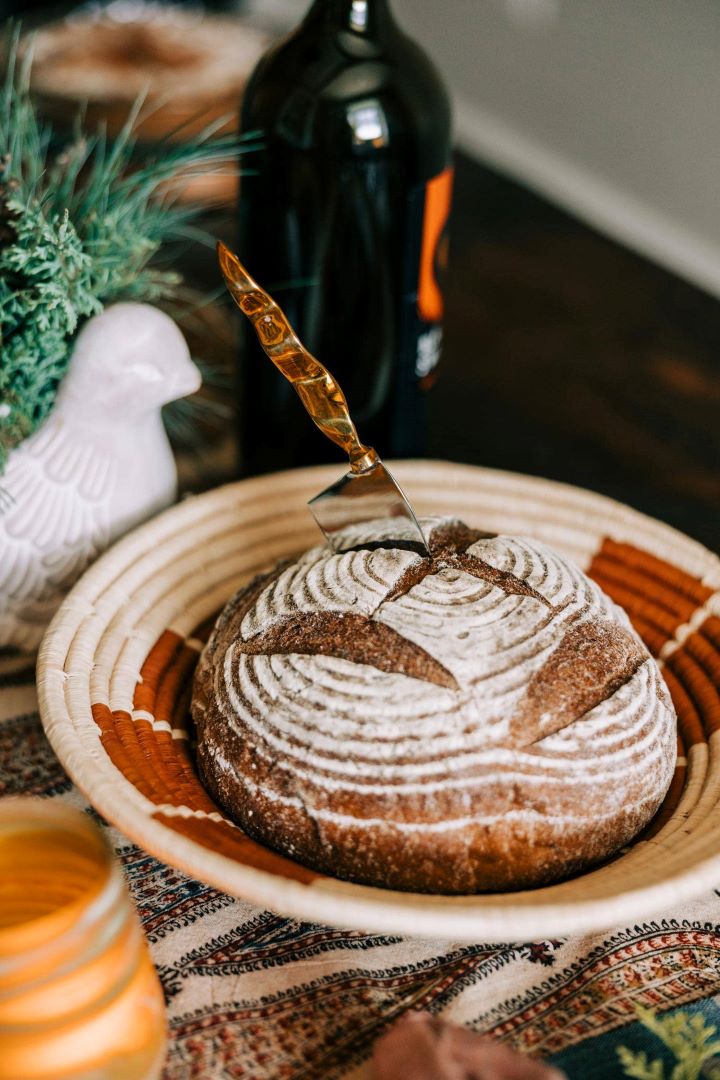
(610, 107)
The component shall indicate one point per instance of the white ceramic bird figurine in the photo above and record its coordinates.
(98, 465)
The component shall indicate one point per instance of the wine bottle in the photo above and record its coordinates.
(342, 217)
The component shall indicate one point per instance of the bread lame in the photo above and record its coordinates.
(369, 490)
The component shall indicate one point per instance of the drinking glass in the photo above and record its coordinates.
(79, 997)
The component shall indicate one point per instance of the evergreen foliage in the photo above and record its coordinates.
(688, 1038)
(79, 228)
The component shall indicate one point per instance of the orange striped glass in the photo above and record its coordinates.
(79, 997)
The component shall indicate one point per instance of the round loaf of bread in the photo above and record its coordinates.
(481, 719)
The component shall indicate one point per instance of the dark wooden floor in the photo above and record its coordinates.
(570, 357)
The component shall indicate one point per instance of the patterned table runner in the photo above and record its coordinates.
(251, 994)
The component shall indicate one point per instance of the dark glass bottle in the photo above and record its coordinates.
(342, 218)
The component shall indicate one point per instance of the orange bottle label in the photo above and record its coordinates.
(426, 261)
(434, 249)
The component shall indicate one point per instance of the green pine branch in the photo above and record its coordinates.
(638, 1065)
(686, 1035)
(80, 228)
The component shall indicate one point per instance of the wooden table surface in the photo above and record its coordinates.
(569, 356)
(566, 356)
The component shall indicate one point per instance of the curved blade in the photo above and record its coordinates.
(359, 498)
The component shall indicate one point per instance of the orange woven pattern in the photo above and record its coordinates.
(661, 600)
(152, 750)
(152, 747)
(664, 603)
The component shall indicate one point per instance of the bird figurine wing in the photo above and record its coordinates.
(100, 463)
(55, 521)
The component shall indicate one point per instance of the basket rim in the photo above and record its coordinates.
(492, 917)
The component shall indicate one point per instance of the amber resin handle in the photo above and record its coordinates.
(318, 390)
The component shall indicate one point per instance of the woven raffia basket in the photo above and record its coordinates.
(116, 666)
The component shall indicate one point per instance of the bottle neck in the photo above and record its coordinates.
(367, 18)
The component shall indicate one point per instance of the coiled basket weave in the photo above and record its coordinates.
(115, 675)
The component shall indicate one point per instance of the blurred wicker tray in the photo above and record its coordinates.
(115, 675)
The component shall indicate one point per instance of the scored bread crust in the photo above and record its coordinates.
(484, 719)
